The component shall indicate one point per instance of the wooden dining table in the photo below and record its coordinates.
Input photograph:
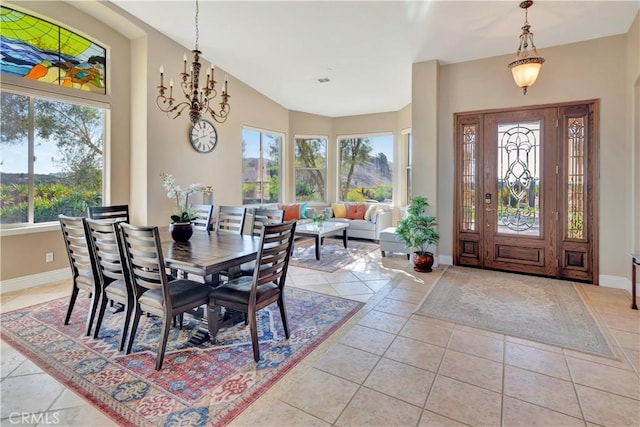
(206, 255)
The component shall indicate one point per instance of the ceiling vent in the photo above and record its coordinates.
(323, 80)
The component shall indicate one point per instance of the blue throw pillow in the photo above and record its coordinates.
(303, 210)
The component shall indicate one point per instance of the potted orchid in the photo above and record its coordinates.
(182, 216)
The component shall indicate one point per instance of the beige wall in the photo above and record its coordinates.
(570, 73)
(633, 81)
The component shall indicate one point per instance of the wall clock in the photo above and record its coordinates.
(203, 136)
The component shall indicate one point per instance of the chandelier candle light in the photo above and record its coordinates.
(526, 67)
(199, 100)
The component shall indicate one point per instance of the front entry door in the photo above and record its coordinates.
(525, 193)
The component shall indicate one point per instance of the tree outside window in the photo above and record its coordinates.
(261, 166)
(310, 168)
(366, 168)
(52, 158)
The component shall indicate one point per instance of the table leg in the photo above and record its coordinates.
(344, 237)
(634, 305)
(318, 244)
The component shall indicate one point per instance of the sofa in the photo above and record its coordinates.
(367, 220)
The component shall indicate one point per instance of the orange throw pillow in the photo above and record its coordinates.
(291, 212)
(355, 211)
(339, 210)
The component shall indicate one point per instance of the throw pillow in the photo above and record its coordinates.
(303, 210)
(339, 210)
(355, 211)
(371, 209)
(291, 212)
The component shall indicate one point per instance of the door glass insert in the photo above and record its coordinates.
(469, 178)
(575, 178)
(518, 178)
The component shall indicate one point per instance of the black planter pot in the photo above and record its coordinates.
(423, 261)
(181, 232)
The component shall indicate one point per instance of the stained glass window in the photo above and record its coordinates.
(39, 50)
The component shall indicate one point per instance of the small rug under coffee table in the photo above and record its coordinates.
(546, 310)
(333, 254)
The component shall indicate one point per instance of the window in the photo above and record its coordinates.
(408, 144)
(51, 160)
(39, 50)
(366, 168)
(311, 168)
(261, 166)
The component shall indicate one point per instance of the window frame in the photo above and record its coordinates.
(281, 169)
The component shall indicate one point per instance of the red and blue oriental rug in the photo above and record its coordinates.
(197, 386)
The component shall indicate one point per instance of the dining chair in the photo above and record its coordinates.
(83, 269)
(265, 287)
(231, 219)
(261, 216)
(161, 297)
(115, 212)
(204, 213)
(111, 267)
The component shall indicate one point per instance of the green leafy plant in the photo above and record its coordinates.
(417, 229)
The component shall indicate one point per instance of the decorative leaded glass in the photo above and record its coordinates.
(519, 178)
(576, 191)
(39, 50)
(469, 178)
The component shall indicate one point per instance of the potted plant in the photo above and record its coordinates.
(181, 227)
(417, 231)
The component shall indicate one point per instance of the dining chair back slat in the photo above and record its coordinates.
(204, 214)
(83, 269)
(115, 212)
(162, 297)
(231, 219)
(263, 216)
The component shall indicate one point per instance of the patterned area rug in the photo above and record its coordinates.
(197, 386)
(546, 310)
(333, 254)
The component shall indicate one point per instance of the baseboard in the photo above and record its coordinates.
(32, 280)
(617, 282)
(445, 259)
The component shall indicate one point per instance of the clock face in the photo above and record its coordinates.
(203, 136)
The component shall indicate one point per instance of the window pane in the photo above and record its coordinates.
(311, 165)
(576, 178)
(366, 168)
(250, 166)
(14, 154)
(261, 154)
(271, 181)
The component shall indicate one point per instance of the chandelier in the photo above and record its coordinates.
(199, 100)
(526, 67)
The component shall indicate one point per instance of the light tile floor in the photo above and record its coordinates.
(388, 367)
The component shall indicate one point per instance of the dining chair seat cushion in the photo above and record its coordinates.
(238, 291)
(118, 288)
(183, 292)
(85, 281)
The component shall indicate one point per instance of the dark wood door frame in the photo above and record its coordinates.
(571, 207)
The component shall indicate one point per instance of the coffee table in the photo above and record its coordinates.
(320, 231)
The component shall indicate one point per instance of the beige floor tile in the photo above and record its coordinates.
(634, 358)
(430, 419)
(351, 288)
(406, 295)
(415, 353)
(412, 285)
(67, 399)
(347, 362)
(432, 321)
(399, 308)
(368, 339)
(464, 402)
(620, 361)
(11, 359)
(81, 416)
(28, 393)
(362, 298)
(277, 414)
(518, 413)
(472, 369)
(305, 394)
(608, 409)
(479, 345)
(323, 289)
(310, 279)
(340, 276)
(478, 331)
(26, 368)
(376, 285)
(627, 339)
(374, 274)
(401, 381)
(544, 362)
(605, 378)
(432, 334)
(534, 344)
(542, 390)
(629, 323)
(383, 321)
(370, 408)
